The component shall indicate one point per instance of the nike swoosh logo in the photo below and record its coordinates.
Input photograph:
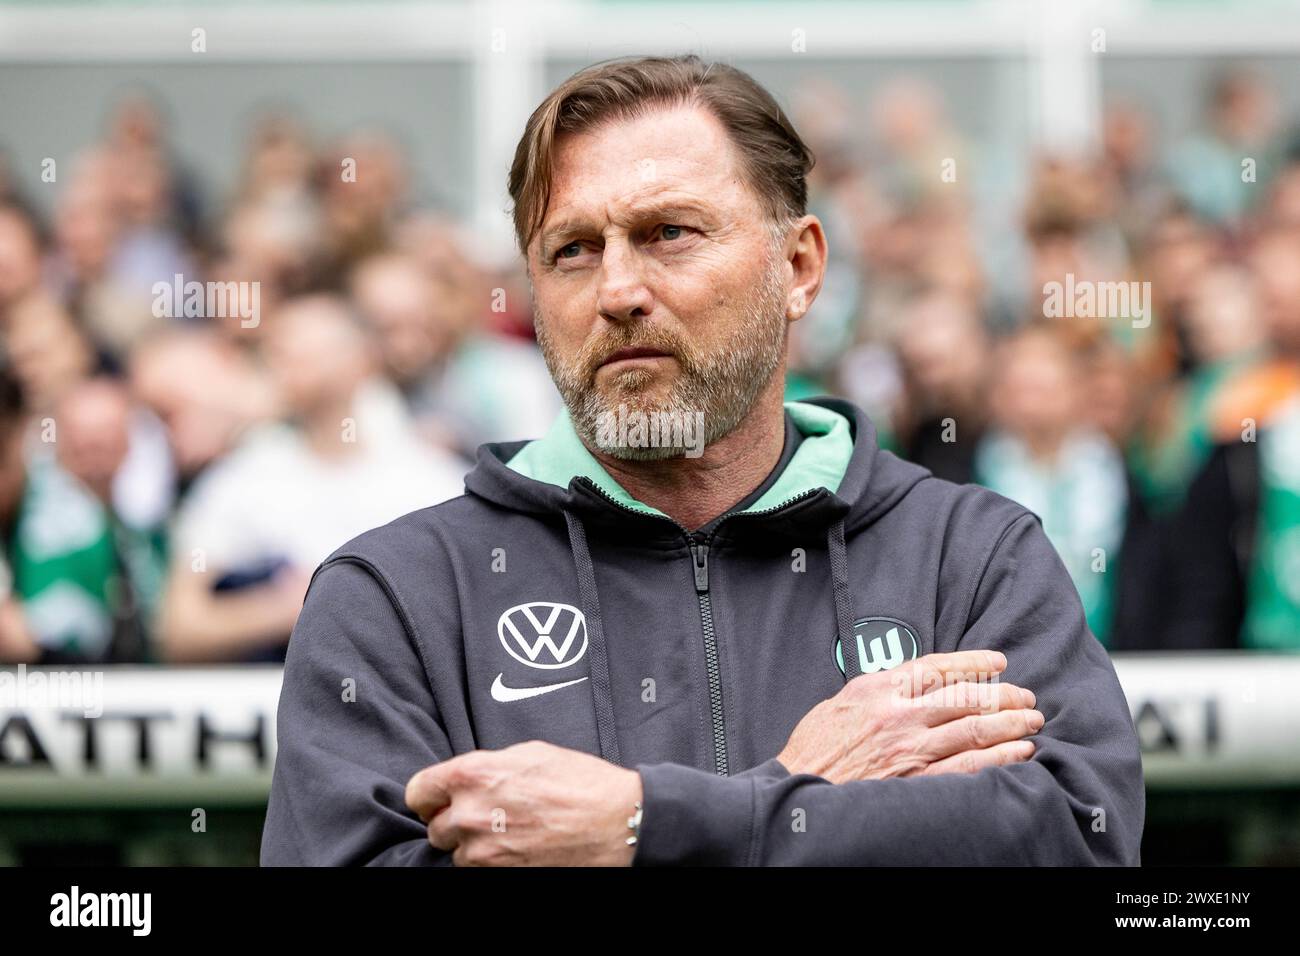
(506, 694)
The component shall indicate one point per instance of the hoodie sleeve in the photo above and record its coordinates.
(356, 719)
(1078, 801)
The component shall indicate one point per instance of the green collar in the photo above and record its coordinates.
(819, 462)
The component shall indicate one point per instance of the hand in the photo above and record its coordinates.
(17, 645)
(935, 714)
(533, 804)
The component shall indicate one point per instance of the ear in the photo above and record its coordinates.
(805, 250)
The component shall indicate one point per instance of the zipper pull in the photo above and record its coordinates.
(700, 554)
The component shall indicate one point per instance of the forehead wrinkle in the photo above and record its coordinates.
(628, 215)
(674, 170)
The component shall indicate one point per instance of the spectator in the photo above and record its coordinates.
(463, 386)
(944, 352)
(363, 182)
(48, 353)
(84, 578)
(259, 521)
(1041, 454)
(1240, 124)
(1222, 338)
(204, 391)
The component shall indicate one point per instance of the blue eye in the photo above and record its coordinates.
(671, 232)
(565, 253)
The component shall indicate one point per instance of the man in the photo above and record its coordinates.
(460, 384)
(945, 354)
(78, 571)
(1041, 451)
(206, 393)
(612, 651)
(259, 519)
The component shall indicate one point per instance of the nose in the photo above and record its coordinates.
(622, 294)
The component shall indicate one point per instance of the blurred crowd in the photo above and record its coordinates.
(169, 481)
(171, 476)
(1158, 436)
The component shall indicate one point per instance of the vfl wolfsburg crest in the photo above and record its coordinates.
(883, 643)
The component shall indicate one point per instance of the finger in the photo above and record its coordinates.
(428, 791)
(924, 674)
(444, 834)
(980, 731)
(967, 697)
(973, 761)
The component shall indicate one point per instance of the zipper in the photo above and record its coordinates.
(699, 547)
(700, 558)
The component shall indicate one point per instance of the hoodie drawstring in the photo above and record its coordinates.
(843, 600)
(606, 731)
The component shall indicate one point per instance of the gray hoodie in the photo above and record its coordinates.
(547, 603)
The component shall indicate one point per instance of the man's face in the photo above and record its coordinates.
(314, 356)
(1036, 388)
(398, 302)
(1277, 279)
(94, 437)
(656, 281)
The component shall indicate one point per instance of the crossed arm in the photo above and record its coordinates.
(538, 804)
(927, 763)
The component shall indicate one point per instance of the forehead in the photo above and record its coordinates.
(667, 155)
(307, 326)
(1036, 353)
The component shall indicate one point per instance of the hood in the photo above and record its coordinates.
(838, 481)
(838, 473)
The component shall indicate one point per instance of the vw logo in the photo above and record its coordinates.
(543, 634)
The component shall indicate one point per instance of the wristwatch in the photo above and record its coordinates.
(634, 824)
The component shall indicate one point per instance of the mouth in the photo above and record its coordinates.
(633, 355)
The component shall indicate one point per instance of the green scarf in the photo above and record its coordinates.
(1081, 499)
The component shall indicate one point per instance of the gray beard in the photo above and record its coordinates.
(718, 389)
